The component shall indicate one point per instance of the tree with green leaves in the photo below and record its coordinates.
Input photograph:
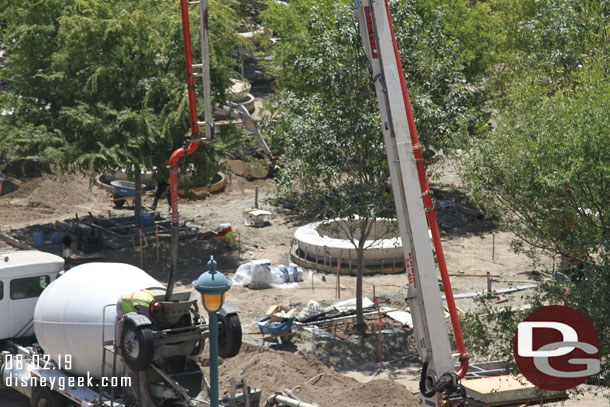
(447, 103)
(100, 85)
(326, 120)
(333, 148)
(544, 173)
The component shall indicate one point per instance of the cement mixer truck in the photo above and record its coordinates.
(57, 336)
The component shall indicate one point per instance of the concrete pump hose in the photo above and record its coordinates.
(278, 399)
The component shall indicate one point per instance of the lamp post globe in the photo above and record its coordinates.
(212, 285)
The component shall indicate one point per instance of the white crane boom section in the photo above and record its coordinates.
(424, 296)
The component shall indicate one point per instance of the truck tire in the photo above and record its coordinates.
(44, 397)
(229, 335)
(137, 346)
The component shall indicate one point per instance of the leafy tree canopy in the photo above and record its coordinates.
(332, 143)
(446, 101)
(541, 171)
(544, 169)
(553, 38)
(97, 85)
(558, 37)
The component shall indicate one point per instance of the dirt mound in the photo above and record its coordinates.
(49, 197)
(309, 379)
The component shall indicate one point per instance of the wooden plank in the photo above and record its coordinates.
(16, 243)
(506, 389)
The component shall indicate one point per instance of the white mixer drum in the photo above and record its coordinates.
(68, 314)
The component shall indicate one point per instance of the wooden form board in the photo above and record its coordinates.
(16, 243)
(505, 390)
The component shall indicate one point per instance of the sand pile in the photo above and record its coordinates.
(50, 197)
(309, 379)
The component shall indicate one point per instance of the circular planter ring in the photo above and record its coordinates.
(322, 251)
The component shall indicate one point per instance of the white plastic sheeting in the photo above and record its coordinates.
(258, 274)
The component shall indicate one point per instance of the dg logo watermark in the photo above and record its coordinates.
(556, 348)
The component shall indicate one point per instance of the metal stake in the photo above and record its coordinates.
(338, 279)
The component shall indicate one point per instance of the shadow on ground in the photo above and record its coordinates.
(457, 216)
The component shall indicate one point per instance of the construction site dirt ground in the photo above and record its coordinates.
(321, 371)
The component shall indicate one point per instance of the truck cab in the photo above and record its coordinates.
(23, 277)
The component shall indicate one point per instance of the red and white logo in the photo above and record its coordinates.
(556, 348)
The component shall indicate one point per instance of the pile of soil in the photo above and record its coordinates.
(49, 197)
(312, 381)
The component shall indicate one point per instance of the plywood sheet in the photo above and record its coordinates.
(505, 389)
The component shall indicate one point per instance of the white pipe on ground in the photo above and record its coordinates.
(278, 399)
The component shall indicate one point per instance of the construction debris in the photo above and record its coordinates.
(276, 326)
(350, 305)
(248, 398)
(403, 317)
(337, 321)
(280, 400)
(14, 242)
(280, 313)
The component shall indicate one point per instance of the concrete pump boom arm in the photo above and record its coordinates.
(415, 212)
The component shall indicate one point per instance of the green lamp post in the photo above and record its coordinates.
(212, 285)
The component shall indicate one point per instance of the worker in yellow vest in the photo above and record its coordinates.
(138, 301)
(231, 239)
(142, 302)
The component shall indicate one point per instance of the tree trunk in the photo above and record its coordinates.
(360, 325)
(138, 198)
